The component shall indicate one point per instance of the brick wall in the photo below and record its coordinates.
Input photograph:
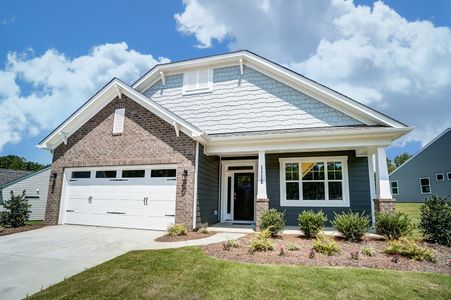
(146, 140)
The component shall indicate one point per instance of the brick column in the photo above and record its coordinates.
(384, 206)
(261, 205)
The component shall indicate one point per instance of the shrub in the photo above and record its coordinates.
(409, 248)
(203, 230)
(177, 230)
(311, 223)
(435, 220)
(17, 211)
(355, 255)
(368, 251)
(273, 220)
(265, 234)
(293, 247)
(352, 226)
(393, 226)
(325, 245)
(229, 244)
(260, 245)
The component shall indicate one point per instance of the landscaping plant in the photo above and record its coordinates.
(262, 242)
(325, 245)
(311, 223)
(409, 248)
(393, 226)
(311, 254)
(368, 251)
(352, 226)
(435, 220)
(355, 255)
(17, 211)
(229, 244)
(177, 230)
(273, 220)
(203, 230)
(293, 247)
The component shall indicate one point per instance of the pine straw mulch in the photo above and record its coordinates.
(7, 231)
(191, 235)
(343, 259)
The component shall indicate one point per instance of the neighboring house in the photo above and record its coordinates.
(8, 175)
(35, 185)
(217, 139)
(427, 172)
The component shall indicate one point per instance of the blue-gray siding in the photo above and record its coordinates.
(359, 187)
(207, 189)
(435, 158)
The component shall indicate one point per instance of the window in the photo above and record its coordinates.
(106, 174)
(449, 175)
(163, 173)
(81, 174)
(425, 185)
(314, 181)
(132, 173)
(440, 176)
(394, 188)
(118, 123)
(198, 81)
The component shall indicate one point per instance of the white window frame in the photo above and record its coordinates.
(421, 186)
(315, 203)
(397, 187)
(443, 174)
(197, 90)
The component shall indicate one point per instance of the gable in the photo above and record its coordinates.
(249, 102)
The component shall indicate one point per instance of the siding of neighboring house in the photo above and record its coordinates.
(433, 159)
(359, 186)
(207, 189)
(35, 186)
(249, 102)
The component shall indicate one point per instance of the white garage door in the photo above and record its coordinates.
(133, 197)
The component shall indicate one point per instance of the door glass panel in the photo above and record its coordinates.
(229, 195)
(106, 174)
(132, 173)
(163, 173)
(81, 174)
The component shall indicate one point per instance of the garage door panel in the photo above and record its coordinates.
(136, 202)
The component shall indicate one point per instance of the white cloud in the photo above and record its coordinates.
(39, 92)
(400, 67)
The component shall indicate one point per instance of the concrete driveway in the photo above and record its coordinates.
(36, 259)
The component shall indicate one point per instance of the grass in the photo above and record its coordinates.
(413, 211)
(187, 273)
(34, 222)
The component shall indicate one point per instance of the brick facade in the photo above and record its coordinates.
(384, 206)
(146, 140)
(261, 205)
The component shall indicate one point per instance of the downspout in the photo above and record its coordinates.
(195, 186)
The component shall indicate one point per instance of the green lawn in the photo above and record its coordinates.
(413, 211)
(34, 222)
(187, 273)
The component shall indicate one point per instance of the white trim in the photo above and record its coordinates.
(224, 174)
(261, 174)
(196, 176)
(383, 190)
(197, 89)
(371, 176)
(421, 150)
(421, 186)
(443, 176)
(397, 187)
(314, 203)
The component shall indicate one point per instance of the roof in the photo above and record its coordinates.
(28, 175)
(421, 150)
(8, 175)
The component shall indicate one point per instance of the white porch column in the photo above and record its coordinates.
(261, 186)
(382, 181)
(372, 186)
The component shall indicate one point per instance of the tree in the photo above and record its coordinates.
(390, 165)
(19, 163)
(17, 211)
(402, 158)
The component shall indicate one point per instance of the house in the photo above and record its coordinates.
(35, 185)
(427, 172)
(8, 175)
(217, 139)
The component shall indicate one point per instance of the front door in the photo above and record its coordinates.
(243, 197)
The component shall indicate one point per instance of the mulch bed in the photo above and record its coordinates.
(192, 235)
(7, 231)
(301, 256)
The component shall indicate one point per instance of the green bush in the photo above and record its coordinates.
(17, 211)
(265, 234)
(352, 226)
(293, 247)
(229, 244)
(368, 251)
(435, 220)
(393, 226)
(325, 245)
(409, 248)
(203, 230)
(260, 245)
(273, 220)
(311, 223)
(177, 230)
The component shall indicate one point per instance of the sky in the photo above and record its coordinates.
(394, 56)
